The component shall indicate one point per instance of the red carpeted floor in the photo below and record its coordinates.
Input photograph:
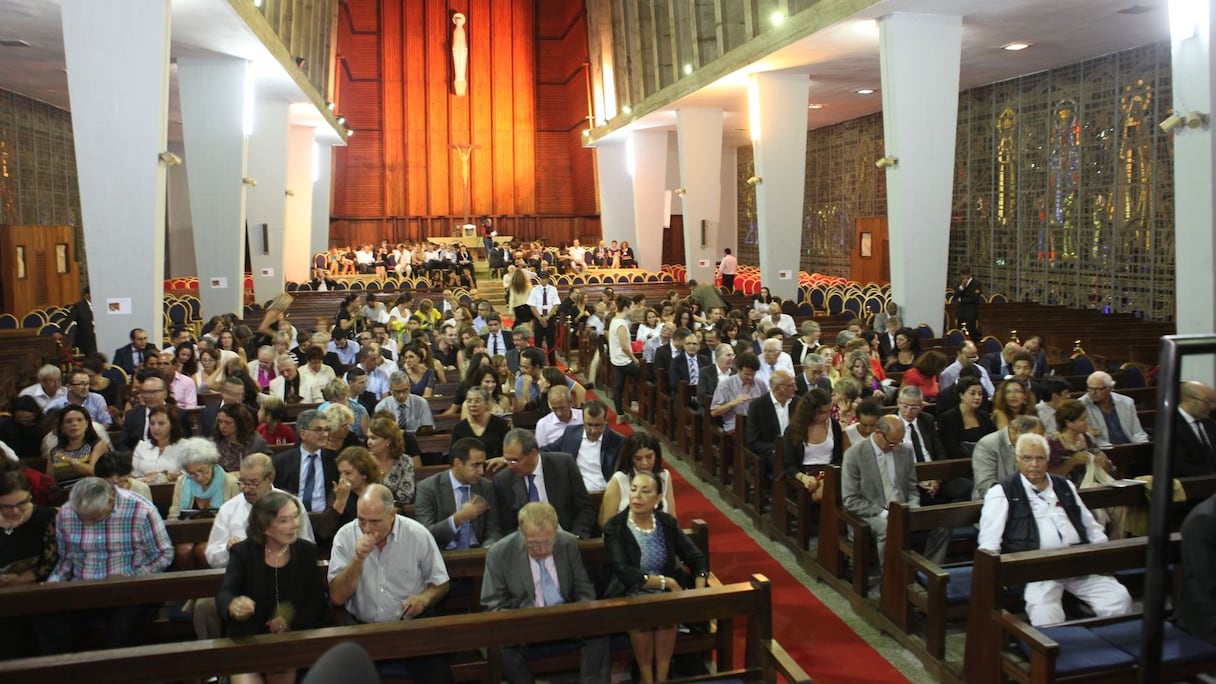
(828, 649)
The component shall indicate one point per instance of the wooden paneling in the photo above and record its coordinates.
(876, 267)
(30, 264)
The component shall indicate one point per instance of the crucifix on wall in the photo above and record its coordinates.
(465, 151)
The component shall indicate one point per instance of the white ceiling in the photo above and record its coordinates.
(839, 59)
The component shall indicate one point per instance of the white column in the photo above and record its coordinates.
(322, 193)
(779, 101)
(649, 173)
(699, 132)
(180, 229)
(728, 225)
(1191, 28)
(297, 236)
(616, 196)
(920, 62)
(213, 104)
(266, 204)
(117, 56)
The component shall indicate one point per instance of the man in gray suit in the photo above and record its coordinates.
(880, 470)
(475, 521)
(536, 566)
(993, 460)
(551, 477)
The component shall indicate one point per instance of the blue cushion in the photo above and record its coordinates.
(1178, 647)
(958, 589)
(1082, 651)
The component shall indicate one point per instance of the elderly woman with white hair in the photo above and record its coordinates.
(204, 488)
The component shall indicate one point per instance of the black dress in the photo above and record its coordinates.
(496, 430)
(32, 544)
(298, 584)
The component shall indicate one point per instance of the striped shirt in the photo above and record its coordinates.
(130, 541)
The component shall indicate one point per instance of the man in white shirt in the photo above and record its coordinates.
(578, 257)
(498, 341)
(968, 355)
(543, 301)
(411, 410)
(48, 388)
(775, 319)
(733, 395)
(560, 417)
(1037, 510)
(773, 359)
(256, 479)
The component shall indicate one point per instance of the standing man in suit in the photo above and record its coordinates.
(308, 469)
(130, 357)
(967, 303)
(920, 435)
(551, 477)
(993, 460)
(1193, 431)
(814, 374)
(880, 470)
(594, 447)
(769, 415)
(539, 565)
(458, 505)
(497, 340)
(81, 313)
(544, 301)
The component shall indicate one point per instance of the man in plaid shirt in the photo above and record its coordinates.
(104, 531)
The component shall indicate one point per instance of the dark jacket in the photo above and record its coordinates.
(625, 558)
(1021, 530)
(611, 443)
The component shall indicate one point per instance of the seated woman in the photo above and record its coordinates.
(211, 373)
(857, 366)
(481, 423)
(28, 553)
(1011, 401)
(270, 422)
(846, 393)
(627, 257)
(236, 436)
(79, 446)
(472, 354)
(205, 487)
(647, 552)
(389, 447)
(155, 458)
(340, 419)
(962, 426)
(271, 584)
(923, 373)
(426, 357)
(1072, 447)
(356, 470)
(422, 379)
(115, 467)
(813, 441)
(339, 392)
(906, 351)
(502, 371)
(642, 452)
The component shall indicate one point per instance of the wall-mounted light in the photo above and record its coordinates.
(1176, 120)
(330, 106)
(168, 158)
(1196, 119)
(289, 193)
(251, 182)
(680, 192)
(886, 162)
(755, 180)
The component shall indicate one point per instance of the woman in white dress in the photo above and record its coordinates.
(641, 452)
(155, 459)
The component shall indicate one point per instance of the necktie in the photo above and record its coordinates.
(310, 478)
(916, 444)
(494, 345)
(464, 536)
(888, 486)
(772, 368)
(548, 588)
(139, 358)
(533, 494)
(1203, 436)
(544, 297)
(401, 415)
(692, 370)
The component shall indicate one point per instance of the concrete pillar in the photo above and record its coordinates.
(920, 116)
(616, 197)
(699, 132)
(266, 203)
(778, 103)
(321, 196)
(1191, 29)
(297, 235)
(117, 56)
(180, 228)
(213, 105)
(649, 171)
(728, 223)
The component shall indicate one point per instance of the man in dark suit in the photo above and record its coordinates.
(591, 440)
(521, 339)
(1034, 347)
(472, 523)
(768, 415)
(814, 374)
(723, 365)
(886, 340)
(81, 313)
(1000, 364)
(153, 392)
(130, 357)
(498, 341)
(686, 367)
(538, 554)
(967, 303)
(231, 392)
(308, 469)
(1193, 431)
(663, 357)
(551, 477)
(925, 444)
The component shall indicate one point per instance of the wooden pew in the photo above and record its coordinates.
(835, 547)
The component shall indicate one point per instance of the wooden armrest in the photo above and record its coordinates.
(779, 659)
(1018, 628)
(853, 521)
(934, 572)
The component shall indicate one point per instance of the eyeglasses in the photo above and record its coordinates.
(1032, 459)
(540, 545)
(5, 508)
(320, 429)
(79, 384)
(250, 483)
(910, 407)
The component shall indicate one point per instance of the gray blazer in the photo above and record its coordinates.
(992, 461)
(508, 579)
(861, 484)
(435, 502)
(1125, 409)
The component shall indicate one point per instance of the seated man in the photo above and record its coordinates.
(775, 319)
(993, 459)
(458, 505)
(1000, 364)
(411, 410)
(968, 356)
(594, 447)
(1112, 417)
(551, 477)
(921, 436)
(1193, 431)
(291, 386)
(554, 575)
(49, 387)
(78, 394)
(734, 394)
(773, 358)
(1053, 391)
(769, 415)
(1197, 609)
(104, 531)
(561, 416)
(1037, 510)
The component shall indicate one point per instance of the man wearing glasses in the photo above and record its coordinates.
(920, 435)
(78, 394)
(308, 469)
(551, 477)
(153, 392)
(537, 566)
(1034, 509)
(1112, 416)
(968, 355)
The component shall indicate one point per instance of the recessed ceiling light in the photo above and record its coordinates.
(778, 18)
(865, 91)
(1014, 47)
(13, 42)
(814, 105)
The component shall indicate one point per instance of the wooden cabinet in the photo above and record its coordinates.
(39, 267)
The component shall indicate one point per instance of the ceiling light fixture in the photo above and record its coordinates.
(814, 105)
(1014, 47)
(887, 162)
(865, 91)
(687, 69)
(778, 18)
(626, 109)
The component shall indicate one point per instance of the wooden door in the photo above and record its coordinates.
(869, 258)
